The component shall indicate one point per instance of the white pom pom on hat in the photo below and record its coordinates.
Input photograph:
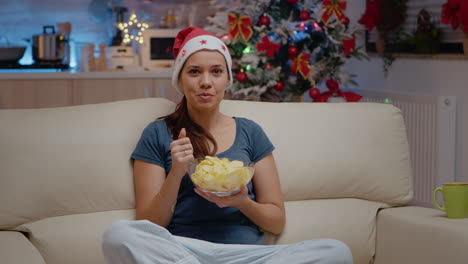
(191, 40)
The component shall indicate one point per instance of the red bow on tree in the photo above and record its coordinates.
(239, 25)
(333, 7)
(268, 46)
(349, 45)
(301, 64)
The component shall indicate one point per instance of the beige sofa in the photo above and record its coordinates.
(344, 167)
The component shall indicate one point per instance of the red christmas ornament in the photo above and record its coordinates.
(314, 92)
(264, 20)
(304, 15)
(293, 51)
(333, 85)
(241, 76)
(346, 21)
(292, 2)
(279, 86)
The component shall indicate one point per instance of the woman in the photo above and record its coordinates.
(177, 223)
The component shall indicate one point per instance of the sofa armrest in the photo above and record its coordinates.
(413, 234)
(15, 248)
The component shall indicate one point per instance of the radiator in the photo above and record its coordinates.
(431, 129)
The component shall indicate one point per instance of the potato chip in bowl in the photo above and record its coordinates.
(222, 177)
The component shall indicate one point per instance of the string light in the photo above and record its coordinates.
(246, 50)
(140, 28)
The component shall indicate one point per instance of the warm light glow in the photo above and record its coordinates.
(132, 33)
(316, 26)
(302, 25)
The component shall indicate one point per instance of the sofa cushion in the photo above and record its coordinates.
(335, 150)
(70, 160)
(77, 238)
(427, 234)
(73, 238)
(352, 221)
(15, 249)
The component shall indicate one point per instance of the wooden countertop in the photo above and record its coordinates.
(66, 75)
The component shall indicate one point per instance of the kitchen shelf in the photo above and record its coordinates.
(423, 56)
(69, 75)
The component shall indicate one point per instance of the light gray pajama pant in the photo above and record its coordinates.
(144, 242)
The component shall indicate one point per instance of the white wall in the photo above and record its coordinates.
(423, 76)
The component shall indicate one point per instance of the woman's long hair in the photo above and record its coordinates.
(198, 136)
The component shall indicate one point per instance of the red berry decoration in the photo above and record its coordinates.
(241, 76)
(346, 21)
(332, 85)
(264, 20)
(304, 15)
(314, 92)
(279, 86)
(293, 51)
(292, 2)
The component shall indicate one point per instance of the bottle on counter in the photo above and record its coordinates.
(91, 58)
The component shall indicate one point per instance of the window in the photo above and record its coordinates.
(451, 40)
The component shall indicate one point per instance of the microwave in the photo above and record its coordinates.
(156, 50)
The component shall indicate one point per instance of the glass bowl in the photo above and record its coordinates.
(222, 177)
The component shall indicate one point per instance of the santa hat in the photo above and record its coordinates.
(191, 40)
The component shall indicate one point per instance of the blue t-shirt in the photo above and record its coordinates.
(194, 216)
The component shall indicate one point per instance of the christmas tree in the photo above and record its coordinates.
(284, 48)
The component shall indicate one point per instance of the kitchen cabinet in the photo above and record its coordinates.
(65, 89)
(15, 94)
(102, 91)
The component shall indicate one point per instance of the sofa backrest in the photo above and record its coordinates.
(335, 150)
(72, 160)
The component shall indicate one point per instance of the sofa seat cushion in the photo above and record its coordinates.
(73, 238)
(352, 221)
(443, 240)
(16, 248)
